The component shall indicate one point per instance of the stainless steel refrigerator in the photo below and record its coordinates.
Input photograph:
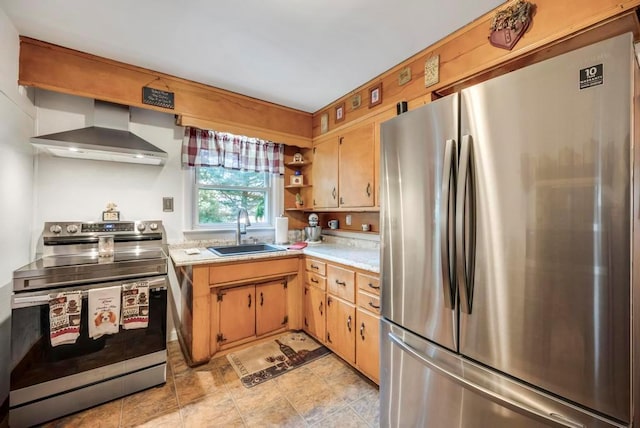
(506, 230)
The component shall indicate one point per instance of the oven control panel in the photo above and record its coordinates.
(53, 230)
(126, 226)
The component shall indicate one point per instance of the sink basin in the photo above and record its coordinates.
(237, 250)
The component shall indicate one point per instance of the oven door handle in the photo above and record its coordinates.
(33, 299)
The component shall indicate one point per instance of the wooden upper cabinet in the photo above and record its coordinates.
(325, 174)
(356, 167)
(271, 307)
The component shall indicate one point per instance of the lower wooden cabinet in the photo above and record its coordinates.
(367, 344)
(341, 328)
(237, 313)
(250, 311)
(342, 310)
(314, 312)
(271, 307)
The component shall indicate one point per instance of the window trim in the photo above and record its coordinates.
(274, 205)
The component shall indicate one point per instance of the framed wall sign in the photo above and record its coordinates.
(340, 112)
(375, 95)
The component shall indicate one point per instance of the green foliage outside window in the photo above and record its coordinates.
(220, 192)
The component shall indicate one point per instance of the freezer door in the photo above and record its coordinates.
(424, 385)
(418, 157)
(549, 161)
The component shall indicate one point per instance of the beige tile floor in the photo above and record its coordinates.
(324, 393)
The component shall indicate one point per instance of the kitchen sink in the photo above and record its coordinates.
(237, 250)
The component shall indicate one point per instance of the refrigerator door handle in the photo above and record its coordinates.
(446, 207)
(465, 216)
(552, 418)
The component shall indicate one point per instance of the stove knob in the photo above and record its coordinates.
(141, 227)
(72, 228)
(55, 229)
(153, 226)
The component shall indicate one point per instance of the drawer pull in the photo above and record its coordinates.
(349, 323)
(315, 267)
(375, 287)
(361, 330)
(314, 280)
(373, 306)
(344, 284)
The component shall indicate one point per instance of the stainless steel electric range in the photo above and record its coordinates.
(50, 381)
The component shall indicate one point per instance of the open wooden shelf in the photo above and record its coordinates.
(295, 186)
(305, 163)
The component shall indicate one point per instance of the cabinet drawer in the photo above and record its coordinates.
(316, 280)
(341, 283)
(315, 266)
(369, 302)
(368, 283)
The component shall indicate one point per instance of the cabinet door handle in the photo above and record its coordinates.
(306, 323)
(261, 299)
(333, 193)
(361, 330)
(249, 300)
(375, 287)
(320, 308)
(368, 190)
(314, 280)
(329, 337)
(344, 284)
(374, 306)
(341, 201)
(349, 322)
(329, 300)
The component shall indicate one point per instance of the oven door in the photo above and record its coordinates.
(40, 370)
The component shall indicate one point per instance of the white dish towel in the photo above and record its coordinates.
(104, 311)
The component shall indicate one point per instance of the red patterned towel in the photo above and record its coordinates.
(64, 317)
(135, 305)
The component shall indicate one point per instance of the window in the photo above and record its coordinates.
(219, 192)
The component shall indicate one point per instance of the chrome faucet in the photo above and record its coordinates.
(242, 213)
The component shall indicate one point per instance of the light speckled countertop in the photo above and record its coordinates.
(362, 258)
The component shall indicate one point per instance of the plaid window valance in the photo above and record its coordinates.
(201, 147)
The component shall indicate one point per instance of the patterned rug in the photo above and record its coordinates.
(268, 360)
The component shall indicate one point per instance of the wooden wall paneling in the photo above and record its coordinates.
(201, 323)
(357, 219)
(241, 129)
(467, 52)
(56, 68)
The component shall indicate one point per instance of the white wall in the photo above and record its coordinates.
(79, 190)
(16, 184)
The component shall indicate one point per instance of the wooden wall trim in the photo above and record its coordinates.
(467, 53)
(47, 66)
(239, 129)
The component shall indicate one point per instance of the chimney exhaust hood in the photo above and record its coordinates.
(109, 140)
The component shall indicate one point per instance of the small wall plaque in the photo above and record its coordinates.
(355, 101)
(157, 97)
(324, 123)
(404, 76)
(432, 71)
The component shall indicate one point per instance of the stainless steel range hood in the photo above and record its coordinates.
(109, 140)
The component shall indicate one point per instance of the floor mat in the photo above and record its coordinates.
(268, 360)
